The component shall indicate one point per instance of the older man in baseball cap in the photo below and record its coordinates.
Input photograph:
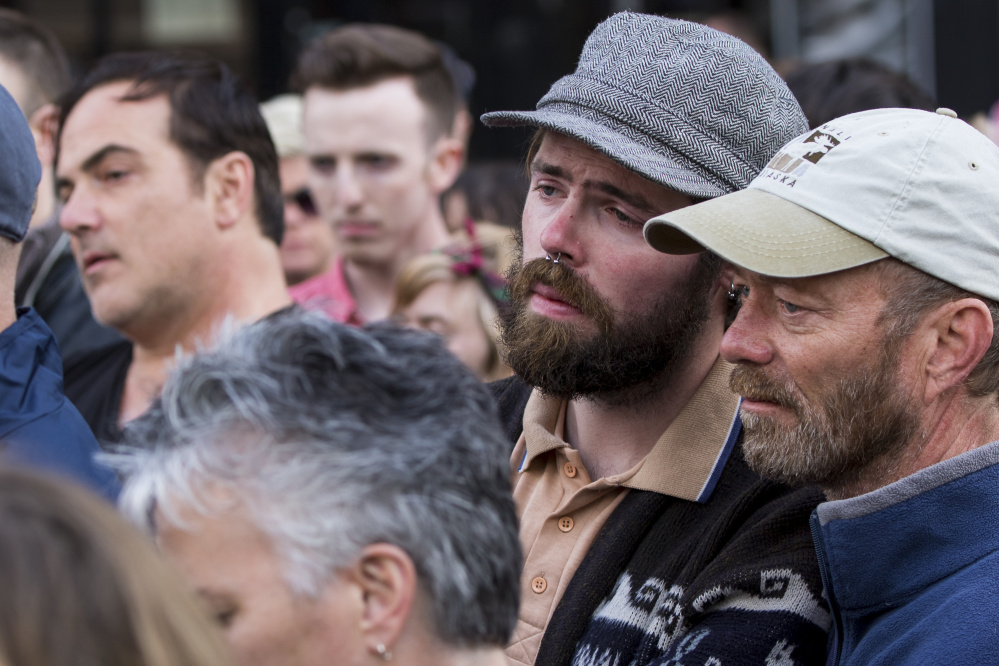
(646, 537)
(865, 262)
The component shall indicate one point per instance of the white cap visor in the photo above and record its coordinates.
(763, 233)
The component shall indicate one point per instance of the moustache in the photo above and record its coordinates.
(571, 288)
(755, 385)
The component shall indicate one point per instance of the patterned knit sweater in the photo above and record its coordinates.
(668, 581)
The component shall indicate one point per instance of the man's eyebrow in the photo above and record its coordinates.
(630, 198)
(109, 149)
(547, 169)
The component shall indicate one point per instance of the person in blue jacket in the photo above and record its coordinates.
(864, 264)
(39, 427)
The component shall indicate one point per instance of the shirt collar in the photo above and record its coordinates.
(329, 293)
(687, 459)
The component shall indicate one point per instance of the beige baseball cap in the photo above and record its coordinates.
(918, 186)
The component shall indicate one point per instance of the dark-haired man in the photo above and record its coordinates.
(646, 537)
(380, 105)
(170, 191)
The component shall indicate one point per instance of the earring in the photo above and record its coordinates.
(383, 652)
(734, 293)
(548, 257)
(557, 257)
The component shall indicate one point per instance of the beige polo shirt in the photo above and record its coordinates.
(562, 510)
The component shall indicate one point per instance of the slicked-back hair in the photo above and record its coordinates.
(212, 113)
(36, 52)
(332, 439)
(360, 55)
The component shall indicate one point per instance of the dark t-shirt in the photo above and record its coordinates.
(95, 381)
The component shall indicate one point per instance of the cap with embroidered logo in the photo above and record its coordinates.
(918, 186)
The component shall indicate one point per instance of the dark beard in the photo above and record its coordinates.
(628, 361)
(859, 429)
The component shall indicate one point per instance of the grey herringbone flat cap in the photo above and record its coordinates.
(681, 104)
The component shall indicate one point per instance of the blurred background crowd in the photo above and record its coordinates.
(432, 253)
(516, 49)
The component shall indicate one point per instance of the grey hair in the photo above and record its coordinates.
(911, 293)
(333, 439)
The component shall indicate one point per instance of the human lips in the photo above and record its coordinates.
(760, 394)
(93, 260)
(356, 228)
(548, 301)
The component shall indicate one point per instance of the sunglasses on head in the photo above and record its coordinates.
(303, 199)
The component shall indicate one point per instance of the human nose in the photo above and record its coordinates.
(560, 233)
(746, 340)
(349, 189)
(79, 213)
(293, 214)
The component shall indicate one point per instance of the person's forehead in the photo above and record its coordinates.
(210, 543)
(390, 103)
(446, 299)
(102, 118)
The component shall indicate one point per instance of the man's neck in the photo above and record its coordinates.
(612, 439)
(373, 284)
(954, 426)
(250, 287)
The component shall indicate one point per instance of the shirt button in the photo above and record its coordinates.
(565, 523)
(539, 585)
(570, 469)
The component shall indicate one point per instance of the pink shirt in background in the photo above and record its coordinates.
(328, 293)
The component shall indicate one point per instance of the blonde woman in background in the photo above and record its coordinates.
(82, 588)
(457, 293)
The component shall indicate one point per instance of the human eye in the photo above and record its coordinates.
(112, 174)
(64, 190)
(623, 217)
(788, 307)
(322, 164)
(225, 617)
(545, 190)
(376, 161)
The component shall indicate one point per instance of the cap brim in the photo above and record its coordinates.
(763, 233)
(661, 165)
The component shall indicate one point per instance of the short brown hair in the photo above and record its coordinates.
(360, 55)
(911, 293)
(36, 52)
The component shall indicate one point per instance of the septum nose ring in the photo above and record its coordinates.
(558, 256)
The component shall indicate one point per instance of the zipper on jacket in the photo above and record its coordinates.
(836, 636)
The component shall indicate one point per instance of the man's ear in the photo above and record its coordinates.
(43, 124)
(959, 334)
(447, 156)
(387, 578)
(229, 183)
